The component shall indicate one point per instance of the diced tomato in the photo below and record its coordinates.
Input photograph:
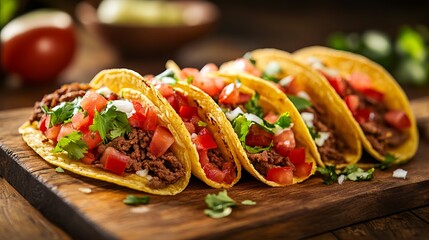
(204, 140)
(190, 127)
(66, 129)
(242, 64)
(203, 157)
(92, 139)
(303, 170)
(360, 81)
(189, 72)
(297, 156)
(284, 142)
(271, 117)
(114, 161)
(243, 98)
(173, 102)
(293, 88)
(213, 173)
(165, 89)
(52, 133)
(373, 94)
(336, 82)
(229, 169)
(258, 136)
(88, 158)
(364, 115)
(195, 120)
(229, 94)
(397, 119)
(44, 123)
(352, 102)
(137, 120)
(280, 175)
(161, 141)
(211, 86)
(151, 119)
(209, 67)
(93, 101)
(186, 112)
(81, 122)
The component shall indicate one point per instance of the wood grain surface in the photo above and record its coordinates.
(297, 211)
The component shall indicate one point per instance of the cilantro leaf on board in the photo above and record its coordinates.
(135, 200)
(219, 205)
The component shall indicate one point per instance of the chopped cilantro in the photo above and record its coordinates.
(284, 120)
(201, 124)
(252, 106)
(110, 123)
(271, 71)
(73, 145)
(189, 79)
(355, 173)
(313, 132)
(219, 205)
(299, 102)
(135, 200)
(330, 175)
(59, 170)
(248, 202)
(62, 112)
(387, 162)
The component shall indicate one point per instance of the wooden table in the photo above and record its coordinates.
(20, 220)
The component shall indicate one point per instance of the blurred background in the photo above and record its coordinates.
(393, 33)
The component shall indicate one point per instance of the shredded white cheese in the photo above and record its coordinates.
(323, 136)
(85, 190)
(400, 173)
(284, 82)
(341, 179)
(304, 95)
(308, 118)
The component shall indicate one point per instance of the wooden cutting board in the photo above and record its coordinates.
(296, 211)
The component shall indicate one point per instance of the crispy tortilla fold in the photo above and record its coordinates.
(218, 125)
(322, 96)
(272, 99)
(394, 96)
(34, 138)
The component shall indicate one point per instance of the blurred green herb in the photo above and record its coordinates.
(7, 10)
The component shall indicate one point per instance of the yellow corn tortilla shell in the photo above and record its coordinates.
(216, 121)
(34, 138)
(394, 97)
(272, 99)
(322, 96)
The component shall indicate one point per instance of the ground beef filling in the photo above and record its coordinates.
(377, 131)
(165, 170)
(66, 93)
(332, 150)
(266, 160)
(215, 157)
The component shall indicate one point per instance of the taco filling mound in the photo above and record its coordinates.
(101, 129)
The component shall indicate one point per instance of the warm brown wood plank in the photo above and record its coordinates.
(280, 212)
(423, 213)
(398, 226)
(19, 220)
(324, 236)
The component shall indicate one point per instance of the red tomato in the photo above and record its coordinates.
(336, 82)
(204, 140)
(229, 169)
(229, 94)
(137, 120)
(88, 158)
(195, 120)
(271, 117)
(303, 170)
(373, 94)
(44, 123)
(93, 101)
(209, 67)
(189, 72)
(165, 89)
(213, 173)
(293, 88)
(360, 81)
(186, 112)
(203, 157)
(151, 119)
(161, 141)
(352, 102)
(177, 100)
(211, 86)
(114, 161)
(364, 115)
(258, 136)
(190, 127)
(52, 133)
(297, 156)
(81, 122)
(280, 175)
(245, 65)
(284, 142)
(397, 119)
(92, 139)
(65, 130)
(38, 45)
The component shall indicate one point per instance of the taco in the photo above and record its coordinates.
(374, 98)
(271, 137)
(112, 134)
(327, 119)
(217, 164)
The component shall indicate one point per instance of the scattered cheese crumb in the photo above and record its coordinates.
(341, 179)
(142, 209)
(85, 190)
(400, 173)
